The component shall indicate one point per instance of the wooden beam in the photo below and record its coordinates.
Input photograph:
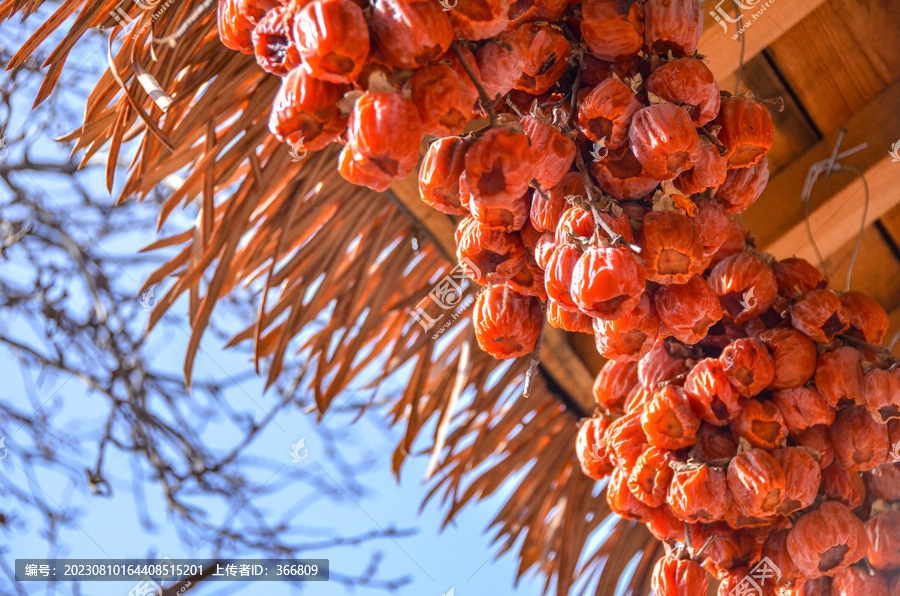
(837, 203)
(876, 271)
(557, 356)
(765, 26)
(839, 58)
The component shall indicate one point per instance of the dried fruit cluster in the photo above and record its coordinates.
(743, 407)
(603, 181)
(761, 441)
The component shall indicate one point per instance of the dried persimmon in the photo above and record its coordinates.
(860, 442)
(672, 26)
(794, 354)
(884, 540)
(827, 541)
(668, 420)
(629, 337)
(802, 477)
(746, 131)
(674, 576)
(760, 422)
(698, 493)
(672, 249)
(650, 477)
(881, 392)
(749, 366)
(607, 282)
(820, 315)
(506, 323)
(606, 113)
(757, 483)
(710, 393)
(663, 138)
(613, 384)
(868, 319)
(690, 83)
(332, 37)
(745, 285)
(613, 30)
(442, 167)
(590, 447)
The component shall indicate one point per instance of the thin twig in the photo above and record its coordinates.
(536, 354)
(486, 100)
(575, 88)
(687, 538)
(512, 105)
(855, 341)
(614, 238)
(537, 187)
(709, 541)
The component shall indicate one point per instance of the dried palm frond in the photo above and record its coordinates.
(338, 269)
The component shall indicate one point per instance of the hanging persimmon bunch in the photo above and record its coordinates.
(573, 153)
(597, 170)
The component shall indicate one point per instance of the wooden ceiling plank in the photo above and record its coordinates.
(840, 57)
(876, 271)
(558, 357)
(891, 223)
(772, 22)
(837, 203)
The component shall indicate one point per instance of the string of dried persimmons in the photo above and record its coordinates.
(746, 414)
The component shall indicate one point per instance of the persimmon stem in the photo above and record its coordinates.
(535, 355)
(514, 107)
(614, 238)
(575, 88)
(687, 538)
(486, 100)
(884, 353)
(709, 541)
(712, 139)
(537, 187)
